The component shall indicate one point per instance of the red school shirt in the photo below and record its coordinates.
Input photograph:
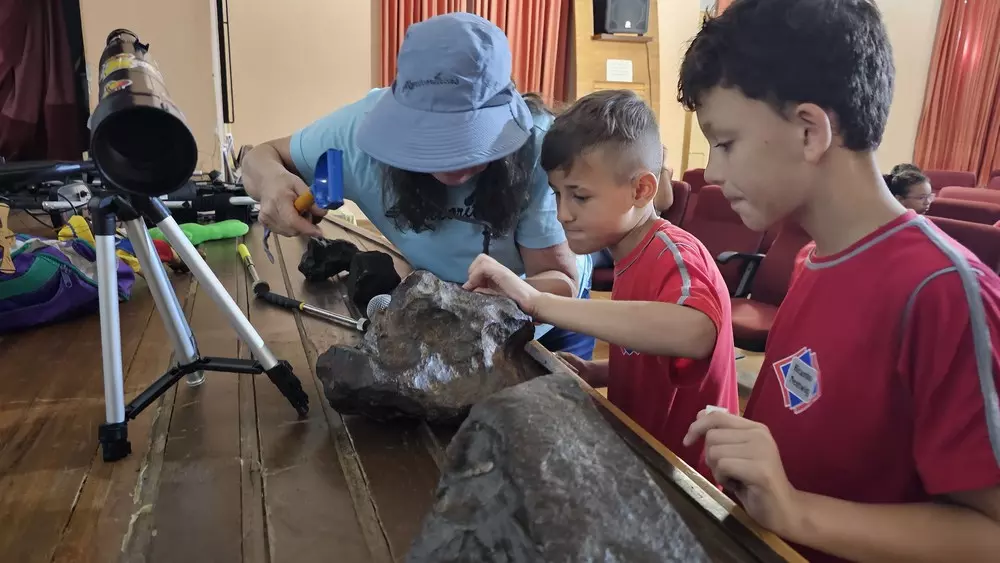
(869, 383)
(664, 394)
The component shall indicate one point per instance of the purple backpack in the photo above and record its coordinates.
(53, 281)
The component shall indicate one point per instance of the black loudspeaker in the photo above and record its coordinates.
(621, 16)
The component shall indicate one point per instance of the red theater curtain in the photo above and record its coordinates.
(960, 124)
(538, 34)
(397, 15)
(537, 31)
(39, 116)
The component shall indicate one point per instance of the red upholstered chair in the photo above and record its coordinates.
(972, 211)
(682, 194)
(696, 179)
(769, 236)
(720, 229)
(970, 194)
(603, 278)
(981, 240)
(994, 183)
(943, 178)
(763, 286)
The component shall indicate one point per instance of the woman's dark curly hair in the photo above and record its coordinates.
(417, 201)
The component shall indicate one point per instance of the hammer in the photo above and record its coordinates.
(327, 190)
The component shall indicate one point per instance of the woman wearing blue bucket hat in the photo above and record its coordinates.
(443, 163)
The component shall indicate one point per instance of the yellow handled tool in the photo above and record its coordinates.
(302, 204)
(263, 291)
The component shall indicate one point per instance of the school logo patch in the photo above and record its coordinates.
(799, 377)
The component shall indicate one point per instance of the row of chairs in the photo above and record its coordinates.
(940, 179)
(758, 267)
(707, 215)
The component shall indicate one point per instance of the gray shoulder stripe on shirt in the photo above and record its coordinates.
(913, 296)
(980, 329)
(813, 266)
(912, 299)
(685, 275)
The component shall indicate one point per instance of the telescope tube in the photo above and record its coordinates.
(139, 139)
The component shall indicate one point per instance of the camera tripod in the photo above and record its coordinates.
(106, 209)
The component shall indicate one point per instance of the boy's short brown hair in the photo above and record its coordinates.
(618, 120)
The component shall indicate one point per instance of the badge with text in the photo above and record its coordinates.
(799, 377)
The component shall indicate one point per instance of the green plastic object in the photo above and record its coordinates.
(198, 233)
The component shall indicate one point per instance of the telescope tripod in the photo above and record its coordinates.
(106, 209)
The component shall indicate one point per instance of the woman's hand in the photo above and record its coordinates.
(267, 180)
(486, 275)
(277, 207)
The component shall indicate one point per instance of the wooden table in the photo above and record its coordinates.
(226, 472)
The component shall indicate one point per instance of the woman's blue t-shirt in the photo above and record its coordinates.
(449, 249)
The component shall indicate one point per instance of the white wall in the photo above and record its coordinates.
(180, 36)
(297, 60)
(911, 25)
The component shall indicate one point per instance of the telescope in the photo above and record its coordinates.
(142, 148)
(140, 142)
(139, 138)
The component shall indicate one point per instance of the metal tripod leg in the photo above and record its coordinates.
(113, 435)
(206, 279)
(171, 313)
(105, 211)
(111, 344)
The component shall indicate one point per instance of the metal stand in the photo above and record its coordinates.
(106, 210)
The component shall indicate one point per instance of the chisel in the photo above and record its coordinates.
(263, 291)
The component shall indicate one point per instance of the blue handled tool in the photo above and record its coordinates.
(327, 190)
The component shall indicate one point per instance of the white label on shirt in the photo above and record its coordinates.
(801, 379)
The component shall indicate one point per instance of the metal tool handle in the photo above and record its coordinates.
(280, 300)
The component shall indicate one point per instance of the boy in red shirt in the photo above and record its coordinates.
(872, 431)
(669, 320)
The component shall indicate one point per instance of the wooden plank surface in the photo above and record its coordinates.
(197, 513)
(115, 492)
(227, 471)
(398, 470)
(50, 431)
(309, 506)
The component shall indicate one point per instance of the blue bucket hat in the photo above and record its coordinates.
(453, 104)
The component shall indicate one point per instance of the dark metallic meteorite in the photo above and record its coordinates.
(535, 474)
(433, 353)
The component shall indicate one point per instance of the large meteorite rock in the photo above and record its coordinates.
(433, 353)
(325, 258)
(535, 474)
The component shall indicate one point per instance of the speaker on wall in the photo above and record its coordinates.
(621, 16)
